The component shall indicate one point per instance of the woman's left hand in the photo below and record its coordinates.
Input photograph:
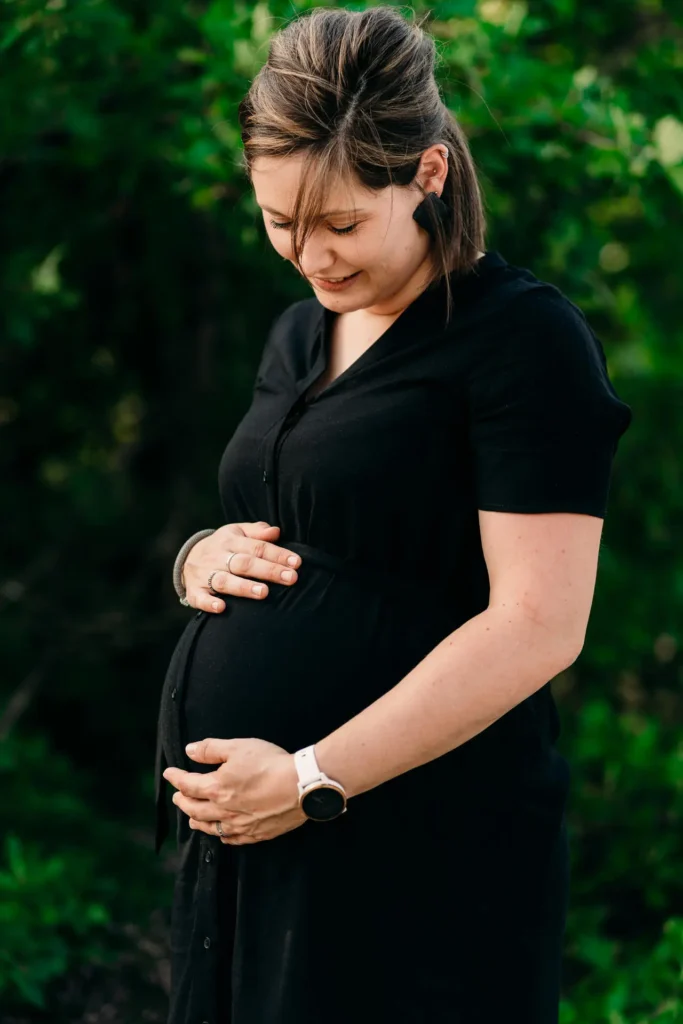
(253, 793)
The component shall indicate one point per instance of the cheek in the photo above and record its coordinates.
(400, 240)
(386, 247)
(280, 240)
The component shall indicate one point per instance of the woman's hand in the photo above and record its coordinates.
(258, 558)
(254, 792)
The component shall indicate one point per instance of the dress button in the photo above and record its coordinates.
(207, 942)
(174, 691)
(208, 856)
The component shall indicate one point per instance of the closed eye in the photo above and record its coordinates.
(337, 231)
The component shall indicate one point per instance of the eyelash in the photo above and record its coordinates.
(337, 231)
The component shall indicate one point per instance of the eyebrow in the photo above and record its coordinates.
(328, 213)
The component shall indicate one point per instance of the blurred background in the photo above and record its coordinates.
(137, 290)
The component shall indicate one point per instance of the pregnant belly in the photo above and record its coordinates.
(300, 663)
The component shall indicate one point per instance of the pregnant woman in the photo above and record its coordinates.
(369, 805)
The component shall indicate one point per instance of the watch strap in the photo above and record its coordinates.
(307, 766)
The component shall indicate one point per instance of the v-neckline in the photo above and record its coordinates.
(324, 342)
(417, 312)
(325, 330)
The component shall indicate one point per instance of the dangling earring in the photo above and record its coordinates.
(431, 210)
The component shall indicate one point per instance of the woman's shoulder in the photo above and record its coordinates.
(299, 312)
(543, 355)
(300, 315)
(289, 340)
(533, 319)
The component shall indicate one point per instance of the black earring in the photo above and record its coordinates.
(431, 210)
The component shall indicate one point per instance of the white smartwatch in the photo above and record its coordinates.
(320, 797)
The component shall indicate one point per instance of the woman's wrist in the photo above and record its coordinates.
(179, 565)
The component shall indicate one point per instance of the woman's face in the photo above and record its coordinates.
(370, 232)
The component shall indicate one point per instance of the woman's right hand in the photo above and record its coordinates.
(257, 558)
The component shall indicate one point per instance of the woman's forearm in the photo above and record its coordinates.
(470, 679)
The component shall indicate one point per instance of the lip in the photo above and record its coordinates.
(336, 286)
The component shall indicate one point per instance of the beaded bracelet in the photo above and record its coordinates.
(180, 562)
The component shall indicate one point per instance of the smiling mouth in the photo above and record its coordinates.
(336, 280)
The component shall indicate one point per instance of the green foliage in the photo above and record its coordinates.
(45, 917)
(642, 990)
(70, 879)
(625, 928)
(137, 287)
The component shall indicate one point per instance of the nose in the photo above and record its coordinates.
(317, 258)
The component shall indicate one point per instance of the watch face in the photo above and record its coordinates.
(323, 803)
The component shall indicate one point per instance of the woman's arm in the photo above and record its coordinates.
(542, 570)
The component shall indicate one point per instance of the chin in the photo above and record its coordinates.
(340, 303)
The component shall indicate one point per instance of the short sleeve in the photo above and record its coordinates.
(544, 417)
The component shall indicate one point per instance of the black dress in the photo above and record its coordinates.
(441, 895)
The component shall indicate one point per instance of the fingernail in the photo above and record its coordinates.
(214, 605)
(293, 560)
(256, 589)
(190, 748)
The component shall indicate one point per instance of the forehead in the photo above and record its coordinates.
(276, 181)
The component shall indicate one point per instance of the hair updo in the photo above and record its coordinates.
(355, 93)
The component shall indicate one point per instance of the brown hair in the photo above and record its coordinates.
(355, 92)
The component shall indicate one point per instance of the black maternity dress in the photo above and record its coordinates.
(441, 895)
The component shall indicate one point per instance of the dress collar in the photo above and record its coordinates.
(430, 302)
(423, 318)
